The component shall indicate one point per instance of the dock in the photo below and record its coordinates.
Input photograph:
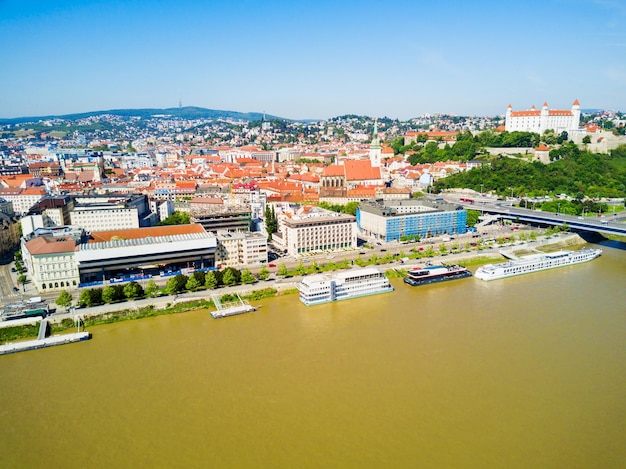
(230, 309)
(42, 341)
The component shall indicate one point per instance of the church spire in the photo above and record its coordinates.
(375, 150)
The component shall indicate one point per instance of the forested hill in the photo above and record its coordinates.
(576, 173)
(189, 112)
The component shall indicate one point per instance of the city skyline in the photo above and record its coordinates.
(401, 59)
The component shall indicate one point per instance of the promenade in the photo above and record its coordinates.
(281, 284)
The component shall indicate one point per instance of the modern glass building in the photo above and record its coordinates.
(391, 220)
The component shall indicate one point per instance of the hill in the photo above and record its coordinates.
(188, 112)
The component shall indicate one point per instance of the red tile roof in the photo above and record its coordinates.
(361, 170)
(41, 245)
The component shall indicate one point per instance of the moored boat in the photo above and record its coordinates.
(535, 263)
(324, 288)
(435, 274)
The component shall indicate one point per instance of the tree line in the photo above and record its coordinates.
(574, 172)
(179, 283)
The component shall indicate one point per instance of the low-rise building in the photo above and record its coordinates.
(240, 249)
(144, 251)
(51, 262)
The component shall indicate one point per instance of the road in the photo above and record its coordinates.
(8, 279)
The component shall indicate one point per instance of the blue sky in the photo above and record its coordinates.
(315, 60)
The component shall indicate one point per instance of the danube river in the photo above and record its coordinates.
(516, 373)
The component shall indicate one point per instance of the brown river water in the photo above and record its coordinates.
(522, 372)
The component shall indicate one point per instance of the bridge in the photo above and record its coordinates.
(608, 224)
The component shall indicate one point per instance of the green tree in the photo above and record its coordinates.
(228, 278)
(472, 217)
(64, 300)
(210, 280)
(176, 218)
(282, 270)
(85, 298)
(108, 294)
(133, 290)
(151, 288)
(192, 284)
(350, 208)
(176, 284)
(586, 139)
(247, 277)
(236, 273)
(199, 275)
(21, 280)
(264, 273)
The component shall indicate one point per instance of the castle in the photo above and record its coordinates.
(538, 121)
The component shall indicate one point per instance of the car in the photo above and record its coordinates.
(272, 265)
(581, 218)
(383, 250)
(13, 269)
(15, 289)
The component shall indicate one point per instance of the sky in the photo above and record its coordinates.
(311, 60)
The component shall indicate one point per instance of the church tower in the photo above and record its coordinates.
(375, 150)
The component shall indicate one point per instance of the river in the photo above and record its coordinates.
(522, 372)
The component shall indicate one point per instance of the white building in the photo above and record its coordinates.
(538, 121)
(107, 214)
(240, 249)
(105, 217)
(22, 199)
(316, 232)
(51, 263)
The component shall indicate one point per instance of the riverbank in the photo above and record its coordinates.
(200, 299)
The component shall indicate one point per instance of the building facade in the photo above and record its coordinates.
(316, 233)
(144, 251)
(226, 220)
(540, 120)
(112, 213)
(394, 220)
(51, 262)
(240, 249)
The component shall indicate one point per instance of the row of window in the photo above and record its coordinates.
(57, 285)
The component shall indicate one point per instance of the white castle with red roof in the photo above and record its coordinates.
(538, 121)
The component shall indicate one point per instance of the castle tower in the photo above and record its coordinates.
(575, 115)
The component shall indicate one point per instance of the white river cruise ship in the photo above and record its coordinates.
(534, 263)
(324, 288)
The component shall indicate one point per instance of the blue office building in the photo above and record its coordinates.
(391, 220)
